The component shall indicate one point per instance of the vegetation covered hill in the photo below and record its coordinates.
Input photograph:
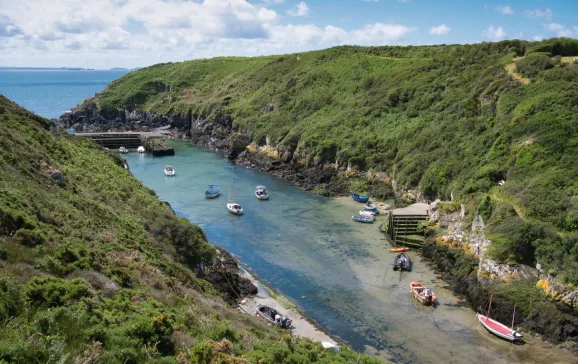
(448, 118)
(94, 268)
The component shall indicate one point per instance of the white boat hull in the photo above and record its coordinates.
(262, 197)
(235, 208)
(169, 174)
(211, 195)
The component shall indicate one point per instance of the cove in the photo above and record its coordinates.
(336, 271)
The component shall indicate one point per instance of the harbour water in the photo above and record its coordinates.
(335, 270)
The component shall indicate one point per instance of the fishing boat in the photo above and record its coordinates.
(274, 317)
(398, 250)
(212, 191)
(498, 328)
(261, 193)
(422, 293)
(123, 150)
(169, 170)
(363, 218)
(140, 149)
(232, 206)
(402, 262)
(360, 198)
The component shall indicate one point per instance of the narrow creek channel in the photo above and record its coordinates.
(335, 270)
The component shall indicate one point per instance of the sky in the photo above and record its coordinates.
(134, 33)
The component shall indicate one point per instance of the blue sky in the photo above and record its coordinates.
(135, 33)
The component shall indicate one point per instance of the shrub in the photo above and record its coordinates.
(50, 291)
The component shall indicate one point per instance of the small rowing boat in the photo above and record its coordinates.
(363, 218)
(398, 250)
(360, 198)
(422, 293)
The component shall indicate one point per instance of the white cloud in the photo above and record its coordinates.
(561, 30)
(129, 33)
(494, 33)
(506, 10)
(300, 9)
(539, 13)
(439, 30)
(554, 27)
(538, 38)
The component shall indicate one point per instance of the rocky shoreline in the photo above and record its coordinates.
(458, 256)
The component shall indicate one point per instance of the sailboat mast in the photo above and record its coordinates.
(513, 317)
(490, 305)
(233, 183)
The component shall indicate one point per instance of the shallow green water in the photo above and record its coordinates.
(335, 270)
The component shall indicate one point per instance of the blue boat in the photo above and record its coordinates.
(212, 191)
(360, 198)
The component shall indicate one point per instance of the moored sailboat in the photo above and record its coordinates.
(232, 206)
(498, 328)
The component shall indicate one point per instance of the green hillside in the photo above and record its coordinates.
(95, 268)
(448, 118)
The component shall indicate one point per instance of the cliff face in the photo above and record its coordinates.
(458, 247)
(88, 117)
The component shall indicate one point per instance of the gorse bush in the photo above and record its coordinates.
(98, 269)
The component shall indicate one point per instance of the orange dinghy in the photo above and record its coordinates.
(422, 293)
(398, 250)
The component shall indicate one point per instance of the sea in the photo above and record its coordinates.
(49, 93)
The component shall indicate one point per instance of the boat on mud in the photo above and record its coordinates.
(261, 193)
(123, 150)
(274, 317)
(402, 262)
(422, 293)
(169, 170)
(498, 328)
(360, 198)
(363, 218)
(212, 192)
(398, 250)
(369, 207)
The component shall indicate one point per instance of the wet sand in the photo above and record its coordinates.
(433, 334)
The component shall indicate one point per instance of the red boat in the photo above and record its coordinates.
(498, 328)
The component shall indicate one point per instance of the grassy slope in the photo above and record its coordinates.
(94, 268)
(441, 118)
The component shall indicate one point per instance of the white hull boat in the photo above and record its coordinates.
(261, 193)
(123, 150)
(141, 149)
(169, 171)
(234, 208)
